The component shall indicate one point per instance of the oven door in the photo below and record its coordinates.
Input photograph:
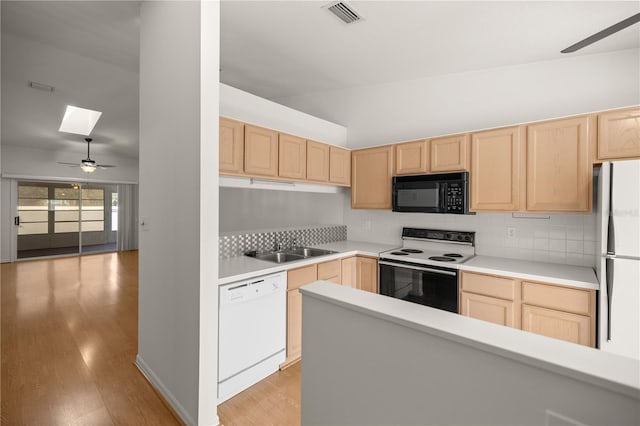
(429, 286)
(424, 196)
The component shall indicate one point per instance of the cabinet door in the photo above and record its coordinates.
(260, 151)
(330, 271)
(449, 153)
(412, 158)
(292, 157)
(367, 273)
(295, 279)
(317, 161)
(349, 272)
(559, 170)
(497, 170)
(371, 172)
(294, 326)
(231, 146)
(558, 324)
(619, 134)
(497, 311)
(339, 166)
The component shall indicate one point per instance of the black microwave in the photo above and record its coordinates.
(438, 193)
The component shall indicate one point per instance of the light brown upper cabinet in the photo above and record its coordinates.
(292, 160)
(619, 134)
(260, 151)
(449, 153)
(317, 161)
(339, 166)
(559, 170)
(497, 170)
(371, 172)
(412, 158)
(231, 146)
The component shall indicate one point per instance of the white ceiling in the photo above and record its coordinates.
(280, 49)
(273, 49)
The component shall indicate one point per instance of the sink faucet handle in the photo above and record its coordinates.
(277, 245)
(294, 242)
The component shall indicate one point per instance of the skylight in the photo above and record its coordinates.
(79, 120)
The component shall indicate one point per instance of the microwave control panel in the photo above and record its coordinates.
(455, 197)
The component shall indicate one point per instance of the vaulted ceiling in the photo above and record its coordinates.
(88, 50)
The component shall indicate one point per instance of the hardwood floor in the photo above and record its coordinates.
(273, 401)
(69, 341)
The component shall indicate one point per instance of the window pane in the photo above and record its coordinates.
(93, 226)
(34, 216)
(33, 228)
(92, 204)
(33, 204)
(66, 193)
(61, 216)
(92, 215)
(64, 204)
(33, 192)
(66, 227)
(93, 194)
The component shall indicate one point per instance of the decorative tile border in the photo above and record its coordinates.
(237, 244)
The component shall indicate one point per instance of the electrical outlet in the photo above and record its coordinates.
(511, 233)
(366, 225)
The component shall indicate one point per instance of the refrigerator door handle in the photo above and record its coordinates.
(609, 272)
(611, 236)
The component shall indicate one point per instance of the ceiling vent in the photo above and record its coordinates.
(344, 11)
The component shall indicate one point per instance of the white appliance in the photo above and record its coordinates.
(618, 266)
(251, 332)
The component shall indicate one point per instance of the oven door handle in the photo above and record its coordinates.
(417, 268)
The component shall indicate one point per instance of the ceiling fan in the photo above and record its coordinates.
(602, 34)
(88, 165)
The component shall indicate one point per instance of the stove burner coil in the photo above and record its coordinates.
(399, 253)
(442, 259)
(412, 251)
(452, 255)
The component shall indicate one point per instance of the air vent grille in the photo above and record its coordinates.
(345, 12)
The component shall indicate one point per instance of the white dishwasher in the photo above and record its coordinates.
(251, 332)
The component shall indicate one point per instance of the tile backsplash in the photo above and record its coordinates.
(568, 238)
(236, 243)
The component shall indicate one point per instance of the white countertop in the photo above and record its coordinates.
(612, 371)
(569, 275)
(245, 267)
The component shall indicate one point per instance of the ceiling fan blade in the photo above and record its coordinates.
(104, 166)
(602, 34)
(69, 164)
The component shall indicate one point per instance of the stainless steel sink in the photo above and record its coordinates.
(290, 255)
(309, 251)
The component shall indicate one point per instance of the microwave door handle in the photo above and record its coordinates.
(442, 203)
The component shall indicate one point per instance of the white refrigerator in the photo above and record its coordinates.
(618, 265)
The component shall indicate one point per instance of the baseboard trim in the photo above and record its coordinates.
(167, 397)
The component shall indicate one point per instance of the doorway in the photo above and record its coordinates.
(60, 218)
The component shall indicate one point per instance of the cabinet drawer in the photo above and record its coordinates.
(330, 271)
(301, 276)
(488, 285)
(558, 297)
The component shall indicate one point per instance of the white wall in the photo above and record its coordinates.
(461, 102)
(255, 209)
(177, 350)
(372, 360)
(243, 106)
(34, 163)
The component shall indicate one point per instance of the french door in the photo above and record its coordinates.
(56, 218)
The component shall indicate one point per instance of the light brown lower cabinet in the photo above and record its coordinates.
(330, 271)
(360, 272)
(558, 324)
(296, 278)
(551, 310)
(492, 309)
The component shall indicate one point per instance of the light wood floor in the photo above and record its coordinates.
(273, 401)
(69, 340)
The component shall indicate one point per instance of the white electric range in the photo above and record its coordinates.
(425, 269)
